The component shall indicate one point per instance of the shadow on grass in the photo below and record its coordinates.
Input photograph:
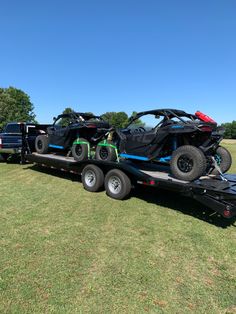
(180, 203)
(13, 159)
(54, 172)
(157, 197)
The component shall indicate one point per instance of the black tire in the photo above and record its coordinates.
(4, 156)
(117, 184)
(105, 153)
(223, 159)
(188, 163)
(41, 144)
(92, 178)
(80, 151)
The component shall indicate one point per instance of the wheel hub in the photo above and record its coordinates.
(115, 185)
(40, 145)
(103, 153)
(78, 149)
(90, 178)
(217, 159)
(185, 164)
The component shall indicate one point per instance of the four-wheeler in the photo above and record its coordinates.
(75, 132)
(189, 143)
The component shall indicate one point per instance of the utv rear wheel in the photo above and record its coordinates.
(188, 163)
(92, 178)
(41, 144)
(105, 153)
(223, 159)
(80, 151)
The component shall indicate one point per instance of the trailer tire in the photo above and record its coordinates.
(188, 163)
(105, 153)
(80, 152)
(117, 184)
(41, 144)
(92, 178)
(223, 158)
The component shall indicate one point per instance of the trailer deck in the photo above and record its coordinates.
(213, 191)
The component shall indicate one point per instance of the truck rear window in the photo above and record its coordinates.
(12, 128)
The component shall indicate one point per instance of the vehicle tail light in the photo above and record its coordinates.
(206, 128)
(227, 213)
(91, 126)
(152, 182)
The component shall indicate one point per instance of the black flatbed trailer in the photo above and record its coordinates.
(213, 191)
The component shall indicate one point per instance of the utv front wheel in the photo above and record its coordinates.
(188, 163)
(223, 159)
(80, 151)
(41, 144)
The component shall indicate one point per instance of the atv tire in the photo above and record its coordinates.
(41, 144)
(80, 152)
(223, 159)
(105, 153)
(188, 163)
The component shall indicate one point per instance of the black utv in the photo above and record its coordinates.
(188, 143)
(76, 132)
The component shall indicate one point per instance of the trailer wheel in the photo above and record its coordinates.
(188, 163)
(105, 153)
(80, 152)
(117, 184)
(92, 178)
(223, 159)
(41, 144)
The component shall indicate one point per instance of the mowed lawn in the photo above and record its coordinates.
(65, 250)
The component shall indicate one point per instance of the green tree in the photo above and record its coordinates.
(116, 119)
(233, 130)
(227, 127)
(15, 105)
(68, 110)
(230, 129)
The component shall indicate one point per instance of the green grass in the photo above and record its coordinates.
(65, 250)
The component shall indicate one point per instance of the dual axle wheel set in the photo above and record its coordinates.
(117, 184)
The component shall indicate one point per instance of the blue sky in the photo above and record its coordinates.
(100, 55)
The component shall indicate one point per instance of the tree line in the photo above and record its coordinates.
(230, 129)
(15, 105)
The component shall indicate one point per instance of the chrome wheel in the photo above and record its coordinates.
(114, 185)
(90, 178)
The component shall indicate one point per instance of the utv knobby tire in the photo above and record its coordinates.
(105, 153)
(188, 163)
(223, 159)
(41, 144)
(117, 184)
(92, 178)
(80, 151)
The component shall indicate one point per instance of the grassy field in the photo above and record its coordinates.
(65, 250)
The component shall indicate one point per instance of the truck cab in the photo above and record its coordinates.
(11, 137)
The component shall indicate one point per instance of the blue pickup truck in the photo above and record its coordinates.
(11, 137)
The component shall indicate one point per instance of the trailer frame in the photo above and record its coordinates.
(211, 191)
